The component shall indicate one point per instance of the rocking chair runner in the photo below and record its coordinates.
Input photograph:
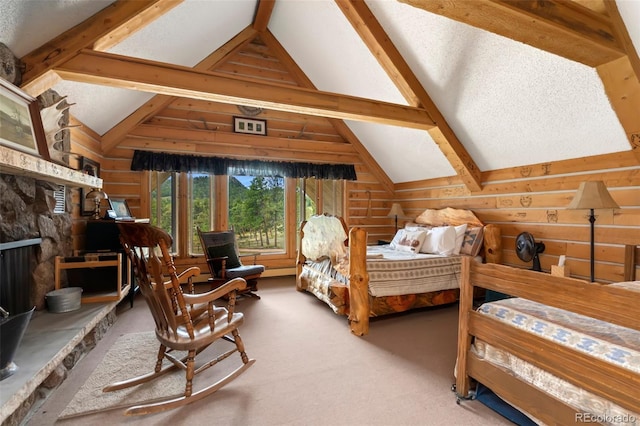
(184, 322)
(221, 251)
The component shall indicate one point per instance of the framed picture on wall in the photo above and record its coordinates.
(92, 168)
(21, 122)
(252, 126)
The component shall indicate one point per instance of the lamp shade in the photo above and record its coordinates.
(396, 211)
(593, 195)
(97, 194)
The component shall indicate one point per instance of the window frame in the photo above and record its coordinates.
(219, 189)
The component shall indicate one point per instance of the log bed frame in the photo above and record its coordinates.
(611, 304)
(355, 301)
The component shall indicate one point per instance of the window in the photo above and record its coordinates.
(201, 208)
(257, 207)
(163, 203)
(329, 194)
(257, 212)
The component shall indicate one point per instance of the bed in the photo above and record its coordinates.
(561, 350)
(363, 281)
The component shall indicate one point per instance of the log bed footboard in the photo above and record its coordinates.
(607, 303)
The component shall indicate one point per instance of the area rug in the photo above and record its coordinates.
(131, 355)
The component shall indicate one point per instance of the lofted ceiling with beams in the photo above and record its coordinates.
(426, 88)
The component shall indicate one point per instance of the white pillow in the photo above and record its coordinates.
(440, 240)
(397, 238)
(408, 240)
(460, 230)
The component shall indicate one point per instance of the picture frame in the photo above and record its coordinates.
(252, 126)
(20, 122)
(92, 168)
(121, 208)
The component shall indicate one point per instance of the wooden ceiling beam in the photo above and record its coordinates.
(104, 29)
(563, 28)
(340, 126)
(621, 80)
(238, 150)
(263, 14)
(156, 104)
(238, 139)
(381, 46)
(620, 30)
(623, 90)
(156, 77)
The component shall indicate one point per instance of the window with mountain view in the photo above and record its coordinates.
(162, 201)
(256, 213)
(257, 207)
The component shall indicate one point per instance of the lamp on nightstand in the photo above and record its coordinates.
(97, 195)
(592, 195)
(396, 212)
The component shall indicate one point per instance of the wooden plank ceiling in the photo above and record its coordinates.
(190, 112)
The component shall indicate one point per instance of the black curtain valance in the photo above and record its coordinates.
(164, 162)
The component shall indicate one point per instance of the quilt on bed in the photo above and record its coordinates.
(394, 273)
(609, 342)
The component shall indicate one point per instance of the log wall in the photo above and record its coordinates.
(534, 199)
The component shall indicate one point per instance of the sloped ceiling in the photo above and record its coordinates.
(497, 102)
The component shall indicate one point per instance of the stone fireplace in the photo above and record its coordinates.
(26, 213)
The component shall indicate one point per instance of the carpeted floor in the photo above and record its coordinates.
(310, 370)
(139, 350)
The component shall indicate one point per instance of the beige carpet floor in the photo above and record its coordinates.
(309, 370)
(139, 350)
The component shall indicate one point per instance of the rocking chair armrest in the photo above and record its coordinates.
(188, 273)
(220, 258)
(224, 289)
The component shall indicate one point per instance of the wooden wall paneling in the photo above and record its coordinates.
(534, 199)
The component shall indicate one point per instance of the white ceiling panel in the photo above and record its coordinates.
(28, 24)
(509, 104)
(324, 44)
(404, 154)
(189, 32)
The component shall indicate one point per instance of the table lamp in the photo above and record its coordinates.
(395, 212)
(97, 195)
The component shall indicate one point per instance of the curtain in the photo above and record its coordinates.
(164, 162)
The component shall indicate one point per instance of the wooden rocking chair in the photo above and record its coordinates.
(184, 322)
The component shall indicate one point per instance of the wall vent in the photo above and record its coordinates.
(60, 197)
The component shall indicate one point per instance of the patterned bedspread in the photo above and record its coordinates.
(393, 273)
(611, 343)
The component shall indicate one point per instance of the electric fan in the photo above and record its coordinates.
(527, 249)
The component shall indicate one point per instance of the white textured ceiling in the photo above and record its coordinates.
(508, 103)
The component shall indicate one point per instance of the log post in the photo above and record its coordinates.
(492, 244)
(300, 259)
(358, 282)
(464, 338)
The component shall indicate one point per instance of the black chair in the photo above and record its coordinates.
(221, 251)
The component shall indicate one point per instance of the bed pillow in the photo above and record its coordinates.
(440, 240)
(460, 232)
(472, 244)
(412, 226)
(408, 240)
